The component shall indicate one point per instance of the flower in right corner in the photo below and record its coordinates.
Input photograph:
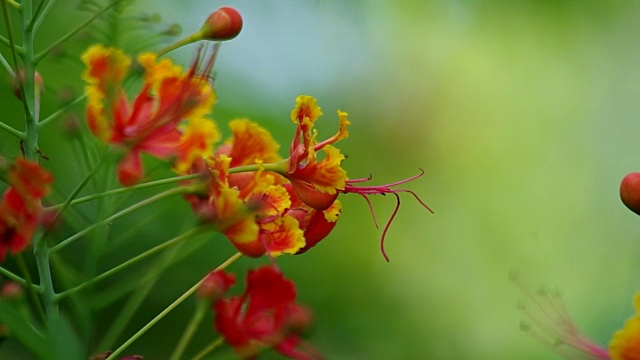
(625, 344)
(549, 323)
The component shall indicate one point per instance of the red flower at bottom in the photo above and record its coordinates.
(264, 316)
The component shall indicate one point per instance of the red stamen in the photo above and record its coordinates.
(364, 191)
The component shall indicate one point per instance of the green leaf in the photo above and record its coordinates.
(23, 331)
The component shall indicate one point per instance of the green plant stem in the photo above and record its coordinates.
(61, 111)
(19, 134)
(144, 255)
(168, 309)
(182, 42)
(35, 16)
(47, 292)
(128, 189)
(119, 214)
(31, 289)
(201, 309)
(208, 349)
(279, 167)
(142, 288)
(13, 3)
(5, 64)
(82, 184)
(44, 14)
(30, 90)
(13, 277)
(70, 34)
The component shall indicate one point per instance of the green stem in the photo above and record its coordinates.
(5, 64)
(30, 90)
(143, 286)
(40, 18)
(167, 310)
(208, 349)
(31, 289)
(13, 277)
(19, 134)
(279, 167)
(144, 255)
(201, 309)
(82, 184)
(14, 4)
(182, 42)
(70, 34)
(115, 216)
(61, 111)
(128, 189)
(35, 16)
(47, 292)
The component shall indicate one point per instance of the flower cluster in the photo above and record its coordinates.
(21, 207)
(262, 203)
(265, 204)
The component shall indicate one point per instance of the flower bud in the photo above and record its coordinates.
(18, 80)
(630, 192)
(215, 285)
(223, 24)
(11, 290)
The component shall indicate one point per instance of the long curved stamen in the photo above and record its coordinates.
(365, 191)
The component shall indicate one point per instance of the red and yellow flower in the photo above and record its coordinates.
(150, 123)
(248, 207)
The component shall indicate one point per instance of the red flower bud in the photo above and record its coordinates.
(223, 24)
(215, 285)
(630, 192)
(11, 290)
(19, 80)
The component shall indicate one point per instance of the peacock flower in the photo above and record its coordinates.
(264, 316)
(20, 208)
(316, 179)
(314, 169)
(150, 123)
(253, 216)
(196, 143)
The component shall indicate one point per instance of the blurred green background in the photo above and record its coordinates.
(523, 115)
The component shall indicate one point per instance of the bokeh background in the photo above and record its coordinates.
(523, 116)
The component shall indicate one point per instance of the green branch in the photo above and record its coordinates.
(127, 189)
(19, 134)
(70, 34)
(61, 111)
(119, 214)
(144, 255)
(168, 309)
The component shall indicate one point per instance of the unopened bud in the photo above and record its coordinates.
(223, 24)
(300, 319)
(215, 285)
(18, 80)
(630, 192)
(11, 290)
